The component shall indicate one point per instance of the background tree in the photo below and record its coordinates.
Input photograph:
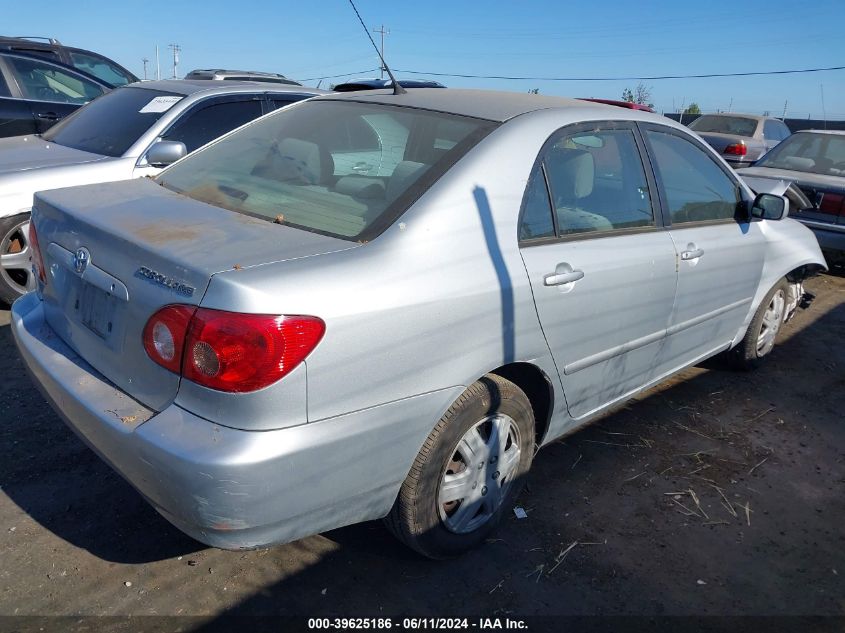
(641, 94)
(692, 109)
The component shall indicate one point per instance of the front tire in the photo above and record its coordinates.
(16, 276)
(763, 330)
(469, 471)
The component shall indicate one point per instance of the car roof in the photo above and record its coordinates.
(192, 86)
(483, 104)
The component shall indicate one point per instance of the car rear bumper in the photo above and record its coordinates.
(231, 488)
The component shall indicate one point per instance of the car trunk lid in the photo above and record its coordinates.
(117, 252)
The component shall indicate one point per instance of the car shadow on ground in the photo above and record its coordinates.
(602, 488)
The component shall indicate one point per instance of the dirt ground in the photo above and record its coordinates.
(717, 493)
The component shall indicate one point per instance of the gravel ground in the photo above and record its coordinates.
(756, 463)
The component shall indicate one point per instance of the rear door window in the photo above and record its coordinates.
(101, 68)
(40, 80)
(200, 126)
(597, 184)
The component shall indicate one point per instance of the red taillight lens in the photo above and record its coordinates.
(164, 335)
(229, 351)
(737, 149)
(832, 203)
(36, 253)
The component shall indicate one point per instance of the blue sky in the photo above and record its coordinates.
(607, 38)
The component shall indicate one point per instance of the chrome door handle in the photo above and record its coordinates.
(695, 254)
(558, 279)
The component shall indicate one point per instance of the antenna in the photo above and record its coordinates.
(397, 89)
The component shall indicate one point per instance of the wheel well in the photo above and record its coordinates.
(536, 385)
(804, 272)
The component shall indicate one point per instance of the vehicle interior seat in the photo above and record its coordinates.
(295, 161)
(572, 174)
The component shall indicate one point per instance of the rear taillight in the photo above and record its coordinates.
(164, 335)
(230, 351)
(737, 149)
(37, 260)
(833, 203)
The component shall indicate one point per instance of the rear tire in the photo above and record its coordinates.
(469, 471)
(763, 330)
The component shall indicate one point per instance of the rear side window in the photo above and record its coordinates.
(344, 169)
(696, 188)
(43, 81)
(202, 126)
(537, 219)
(101, 68)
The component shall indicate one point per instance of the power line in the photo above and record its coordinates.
(357, 72)
(655, 78)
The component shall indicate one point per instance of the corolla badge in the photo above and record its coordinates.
(81, 259)
(166, 281)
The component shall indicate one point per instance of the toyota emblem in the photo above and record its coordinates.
(81, 258)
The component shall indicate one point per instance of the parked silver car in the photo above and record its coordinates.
(267, 344)
(740, 138)
(815, 161)
(130, 132)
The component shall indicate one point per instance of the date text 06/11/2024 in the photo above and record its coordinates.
(417, 624)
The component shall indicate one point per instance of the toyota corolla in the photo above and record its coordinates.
(377, 305)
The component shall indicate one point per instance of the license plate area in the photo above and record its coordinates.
(97, 310)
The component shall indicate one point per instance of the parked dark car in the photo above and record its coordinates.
(219, 74)
(376, 84)
(36, 93)
(815, 161)
(741, 139)
(103, 68)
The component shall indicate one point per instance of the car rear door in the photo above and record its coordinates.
(720, 252)
(601, 267)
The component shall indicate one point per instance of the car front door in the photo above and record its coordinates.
(720, 252)
(601, 267)
(206, 121)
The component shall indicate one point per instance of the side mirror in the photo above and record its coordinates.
(164, 153)
(769, 207)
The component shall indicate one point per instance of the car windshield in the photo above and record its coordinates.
(344, 169)
(737, 125)
(813, 153)
(110, 124)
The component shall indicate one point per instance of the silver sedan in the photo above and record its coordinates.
(377, 305)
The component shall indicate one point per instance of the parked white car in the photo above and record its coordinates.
(131, 132)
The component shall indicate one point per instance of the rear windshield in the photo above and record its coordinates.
(737, 125)
(343, 169)
(812, 153)
(110, 124)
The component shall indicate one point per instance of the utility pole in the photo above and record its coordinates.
(175, 48)
(731, 105)
(383, 33)
(158, 65)
(785, 103)
(145, 60)
(824, 112)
